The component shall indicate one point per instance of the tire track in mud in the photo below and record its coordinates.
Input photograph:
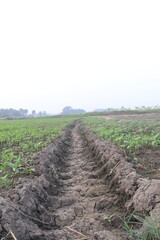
(67, 199)
(85, 199)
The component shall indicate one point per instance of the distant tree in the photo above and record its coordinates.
(25, 112)
(156, 107)
(13, 112)
(33, 112)
(67, 110)
(70, 110)
(44, 113)
(21, 111)
(40, 113)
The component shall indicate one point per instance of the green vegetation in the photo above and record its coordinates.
(148, 228)
(19, 139)
(130, 135)
(108, 218)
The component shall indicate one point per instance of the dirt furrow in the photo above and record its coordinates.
(67, 199)
(86, 200)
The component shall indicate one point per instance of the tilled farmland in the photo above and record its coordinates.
(84, 188)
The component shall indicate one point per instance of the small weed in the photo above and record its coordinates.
(6, 236)
(148, 228)
(66, 142)
(108, 218)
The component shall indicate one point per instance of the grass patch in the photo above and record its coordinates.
(142, 227)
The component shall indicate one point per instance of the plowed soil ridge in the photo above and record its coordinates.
(81, 179)
(85, 197)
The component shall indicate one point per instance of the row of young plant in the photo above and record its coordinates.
(20, 139)
(130, 135)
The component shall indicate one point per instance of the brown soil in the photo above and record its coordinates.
(66, 201)
(148, 164)
(81, 180)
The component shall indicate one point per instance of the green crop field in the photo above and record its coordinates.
(19, 139)
(138, 136)
(130, 135)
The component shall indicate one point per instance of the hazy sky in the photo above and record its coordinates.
(83, 53)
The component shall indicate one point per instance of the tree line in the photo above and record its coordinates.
(5, 112)
(70, 110)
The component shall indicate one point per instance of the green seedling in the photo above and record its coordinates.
(129, 135)
(19, 139)
(108, 218)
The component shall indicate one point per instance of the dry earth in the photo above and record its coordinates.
(81, 179)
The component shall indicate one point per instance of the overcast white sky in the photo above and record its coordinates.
(83, 53)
